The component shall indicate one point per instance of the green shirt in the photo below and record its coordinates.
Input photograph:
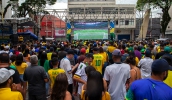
(46, 65)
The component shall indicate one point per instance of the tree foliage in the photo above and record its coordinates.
(162, 4)
(31, 7)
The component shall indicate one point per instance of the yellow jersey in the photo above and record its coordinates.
(111, 49)
(53, 73)
(98, 62)
(49, 55)
(168, 80)
(137, 61)
(105, 55)
(7, 94)
(105, 96)
(21, 68)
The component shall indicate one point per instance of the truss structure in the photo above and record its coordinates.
(92, 15)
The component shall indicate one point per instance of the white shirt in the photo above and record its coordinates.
(145, 67)
(117, 75)
(65, 64)
(81, 73)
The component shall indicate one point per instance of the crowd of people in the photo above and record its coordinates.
(90, 70)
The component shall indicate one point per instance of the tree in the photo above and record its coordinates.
(162, 4)
(30, 7)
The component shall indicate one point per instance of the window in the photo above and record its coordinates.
(126, 22)
(122, 22)
(131, 22)
(116, 22)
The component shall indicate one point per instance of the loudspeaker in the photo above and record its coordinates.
(43, 38)
(14, 38)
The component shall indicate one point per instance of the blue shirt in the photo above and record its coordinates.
(149, 89)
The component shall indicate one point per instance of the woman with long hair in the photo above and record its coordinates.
(135, 71)
(21, 66)
(95, 88)
(132, 55)
(43, 61)
(59, 91)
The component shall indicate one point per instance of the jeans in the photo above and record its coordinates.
(47, 86)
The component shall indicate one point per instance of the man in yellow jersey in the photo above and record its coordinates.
(168, 80)
(52, 73)
(110, 49)
(98, 60)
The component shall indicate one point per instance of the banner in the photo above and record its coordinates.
(69, 30)
(6, 30)
(59, 32)
(112, 30)
(144, 27)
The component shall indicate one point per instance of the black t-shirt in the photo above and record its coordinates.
(16, 77)
(158, 55)
(35, 76)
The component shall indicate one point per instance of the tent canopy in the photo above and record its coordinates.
(29, 33)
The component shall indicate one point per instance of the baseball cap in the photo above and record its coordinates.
(167, 49)
(117, 52)
(160, 65)
(147, 53)
(70, 52)
(5, 74)
(83, 50)
(142, 51)
(6, 47)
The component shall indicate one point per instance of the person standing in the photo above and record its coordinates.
(36, 77)
(52, 73)
(4, 63)
(94, 89)
(98, 60)
(80, 75)
(6, 86)
(59, 90)
(135, 71)
(137, 53)
(145, 65)
(116, 76)
(21, 66)
(66, 65)
(152, 88)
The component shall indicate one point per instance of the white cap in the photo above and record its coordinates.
(5, 74)
(6, 47)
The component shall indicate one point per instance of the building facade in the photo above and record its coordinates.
(168, 33)
(123, 15)
(153, 28)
